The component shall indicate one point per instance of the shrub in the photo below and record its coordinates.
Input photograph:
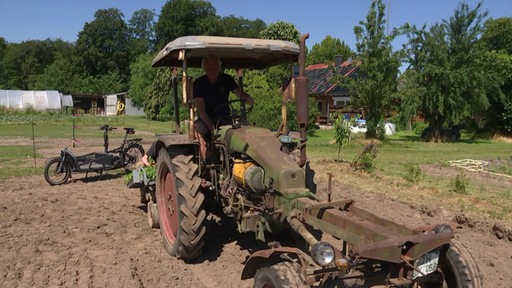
(459, 184)
(341, 132)
(365, 160)
(413, 172)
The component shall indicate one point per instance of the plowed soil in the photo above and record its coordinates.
(94, 233)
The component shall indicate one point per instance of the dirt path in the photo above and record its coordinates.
(95, 234)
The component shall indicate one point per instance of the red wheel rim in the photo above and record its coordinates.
(168, 207)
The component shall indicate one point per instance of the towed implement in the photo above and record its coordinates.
(263, 181)
(58, 170)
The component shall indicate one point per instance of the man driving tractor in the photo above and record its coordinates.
(211, 95)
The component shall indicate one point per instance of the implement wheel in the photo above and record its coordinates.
(180, 205)
(54, 174)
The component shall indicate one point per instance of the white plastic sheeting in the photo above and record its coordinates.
(38, 100)
(66, 101)
(111, 104)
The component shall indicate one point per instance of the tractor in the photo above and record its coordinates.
(262, 180)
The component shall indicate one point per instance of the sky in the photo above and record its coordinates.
(22, 20)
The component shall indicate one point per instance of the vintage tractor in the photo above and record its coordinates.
(263, 182)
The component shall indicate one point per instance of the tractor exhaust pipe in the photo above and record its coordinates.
(301, 96)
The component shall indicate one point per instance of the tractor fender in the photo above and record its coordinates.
(177, 144)
(268, 257)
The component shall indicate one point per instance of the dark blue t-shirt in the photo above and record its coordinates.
(215, 95)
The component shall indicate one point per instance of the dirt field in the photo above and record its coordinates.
(95, 234)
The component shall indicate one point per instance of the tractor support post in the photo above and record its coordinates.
(301, 90)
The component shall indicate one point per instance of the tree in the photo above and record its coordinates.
(447, 64)
(378, 70)
(327, 50)
(186, 17)
(268, 112)
(267, 101)
(142, 75)
(497, 34)
(61, 75)
(25, 61)
(240, 27)
(497, 37)
(498, 119)
(103, 46)
(408, 100)
(142, 28)
(3, 74)
(159, 97)
(281, 30)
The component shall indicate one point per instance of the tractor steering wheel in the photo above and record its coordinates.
(237, 111)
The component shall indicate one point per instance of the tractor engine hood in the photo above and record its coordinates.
(260, 144)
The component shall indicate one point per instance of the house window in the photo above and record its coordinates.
(341, 103)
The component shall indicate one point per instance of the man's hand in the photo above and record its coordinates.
(244, 96)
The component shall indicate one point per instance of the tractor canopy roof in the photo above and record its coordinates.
(234, 52)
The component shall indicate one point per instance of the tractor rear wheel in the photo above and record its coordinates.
(180, 205)
(280, 275)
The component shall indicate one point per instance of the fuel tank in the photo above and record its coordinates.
(280, 171)
(249, 175)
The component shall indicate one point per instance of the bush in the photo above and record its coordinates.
(365, 160)
(418, 127)
(413, 172)
(459, 184)
(341, 132)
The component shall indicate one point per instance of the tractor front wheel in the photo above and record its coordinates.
(180, 205)
(280, 275)
(457, 269)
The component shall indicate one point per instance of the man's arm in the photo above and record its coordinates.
(244, 96)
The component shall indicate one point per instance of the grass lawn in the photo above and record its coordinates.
(397, 151)
(407, 162)
(85, 126)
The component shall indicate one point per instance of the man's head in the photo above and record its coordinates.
(211, 66)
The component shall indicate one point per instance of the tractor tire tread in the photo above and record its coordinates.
(191, 241)
(470, 274)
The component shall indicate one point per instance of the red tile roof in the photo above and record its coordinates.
(320, 77)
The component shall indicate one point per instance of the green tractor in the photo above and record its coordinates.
(262, 180)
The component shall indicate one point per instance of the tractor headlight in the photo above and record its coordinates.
(322, 253)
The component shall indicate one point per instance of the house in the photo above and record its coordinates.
(322, 85)
(88, 104)
(109, 105)
(120, 104)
